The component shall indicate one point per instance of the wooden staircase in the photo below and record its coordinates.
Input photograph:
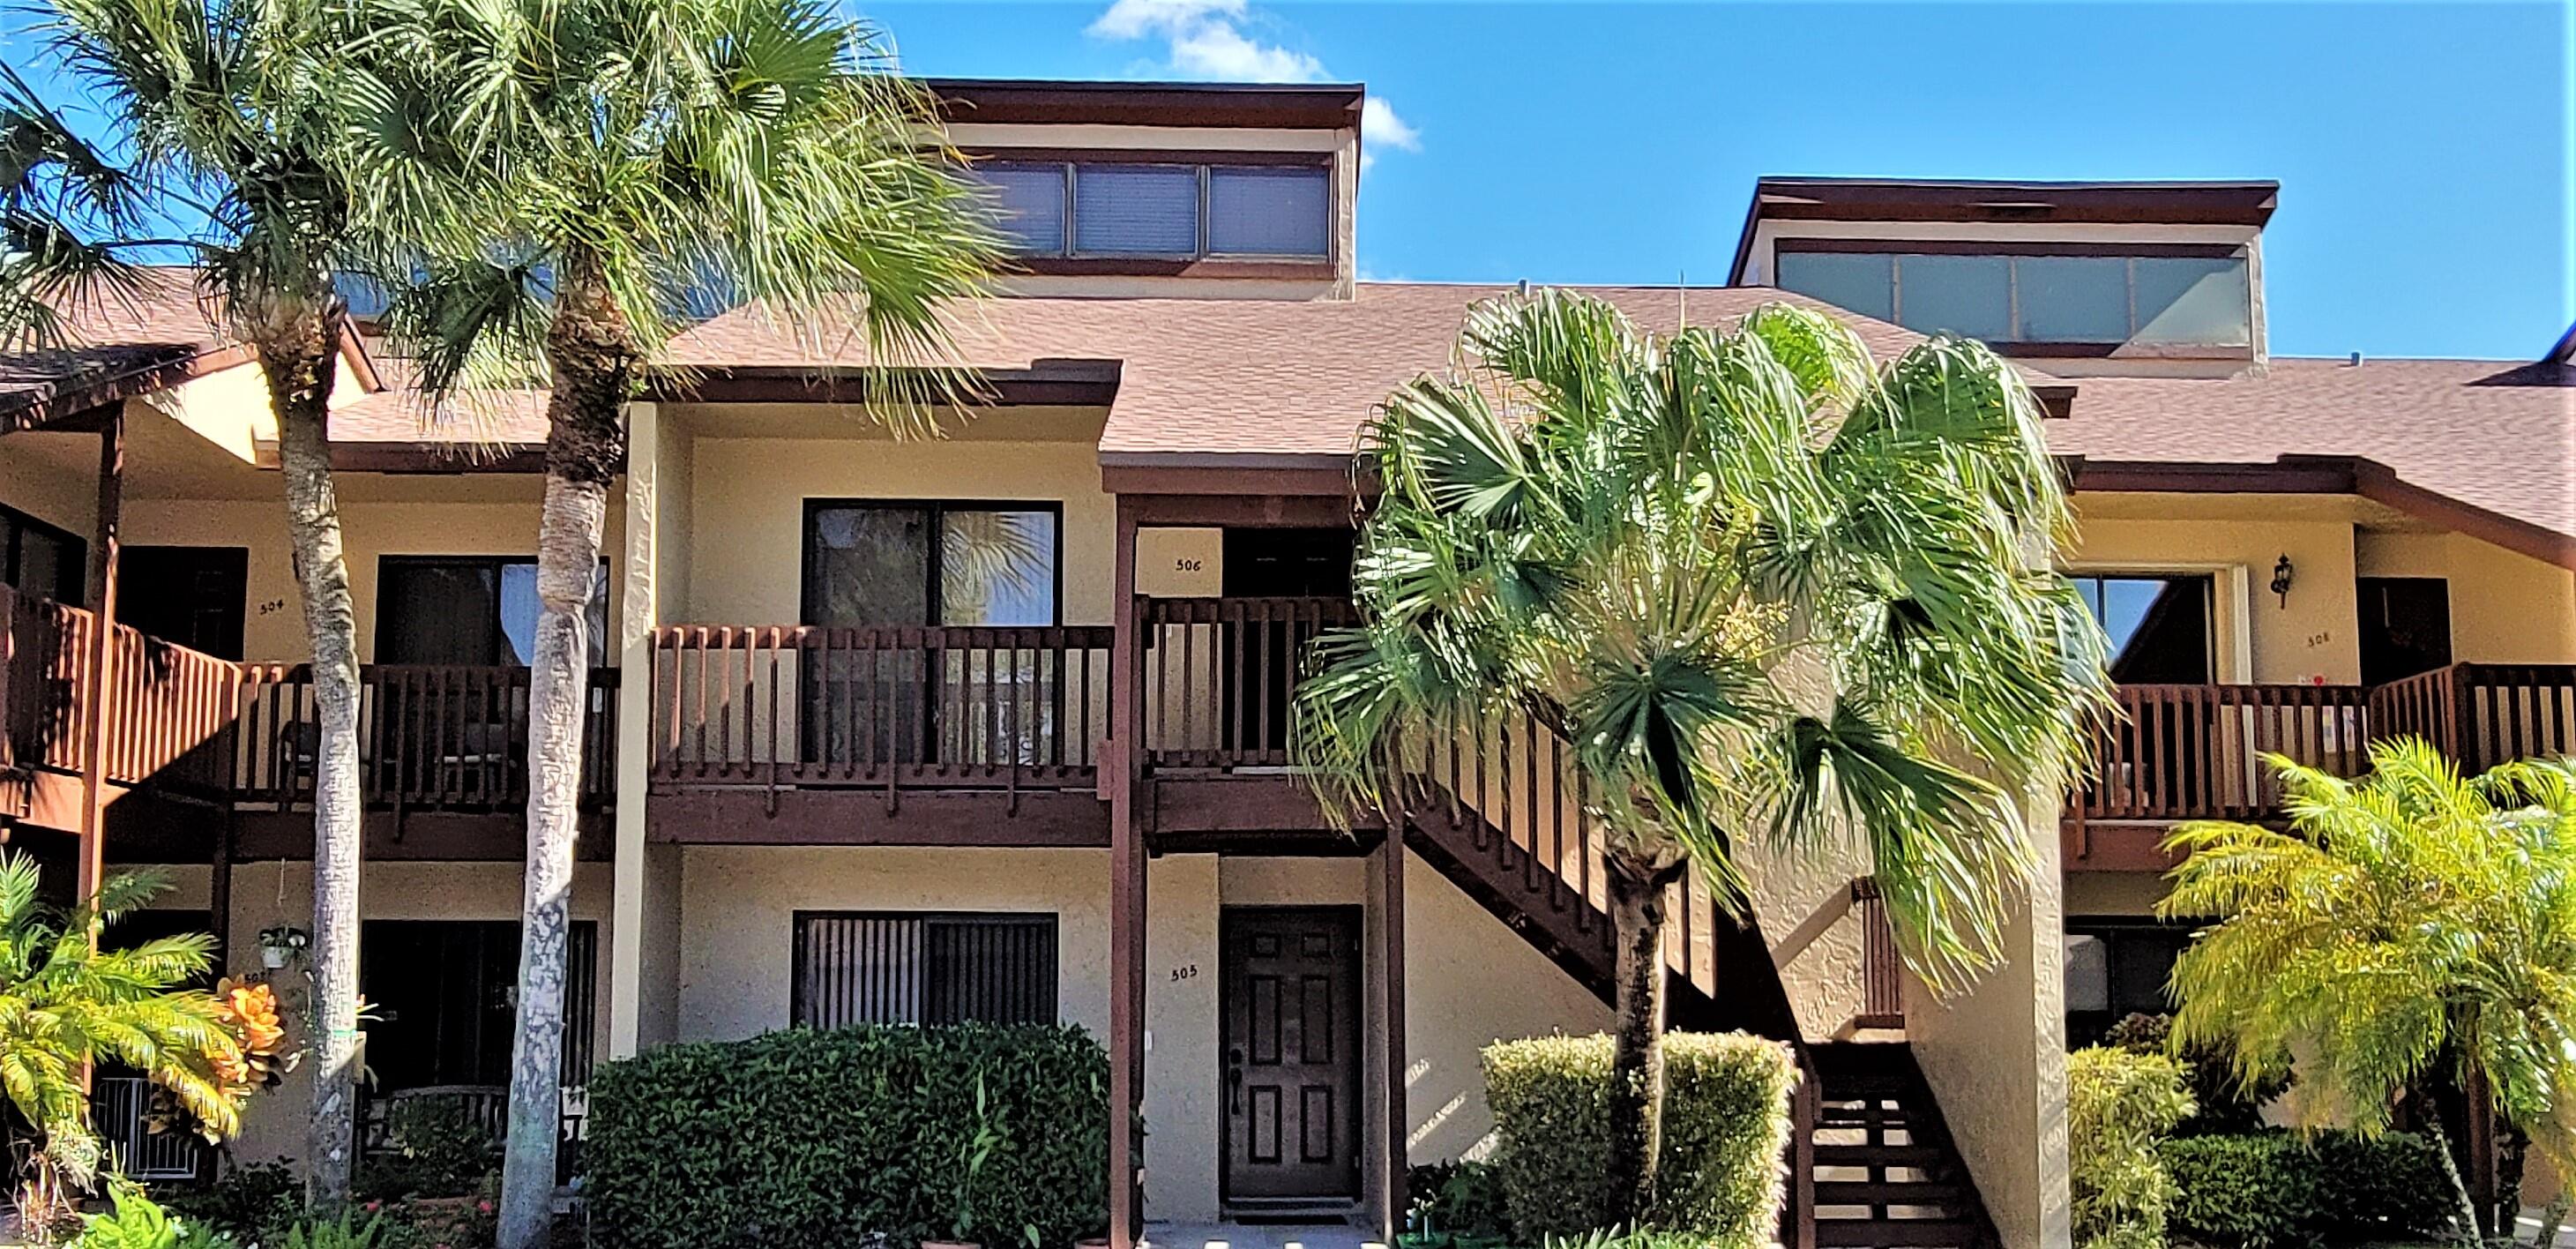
(1876, 1167)
(1887, 1175)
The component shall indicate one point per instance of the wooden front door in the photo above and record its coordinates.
(1291, 1049)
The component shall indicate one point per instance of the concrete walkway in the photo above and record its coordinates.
(1261, 1236)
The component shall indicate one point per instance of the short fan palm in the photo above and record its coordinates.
(65, 1008)
(1772, 594)
(2407, 927)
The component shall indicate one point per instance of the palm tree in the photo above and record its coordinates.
(1770, 593)
(636, 159)
(66, 1006)
(2406, 928)
(235, 120)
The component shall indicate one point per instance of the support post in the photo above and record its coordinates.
(1392, 1195)
(92, 869)
(1126, 901)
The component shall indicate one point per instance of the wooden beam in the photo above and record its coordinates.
(1396, 1122)
(859, 817)
(1126, 902)
(91, 871)
(1260, 803)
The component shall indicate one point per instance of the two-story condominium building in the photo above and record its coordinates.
(994, 725)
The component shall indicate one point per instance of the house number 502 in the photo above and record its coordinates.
(1189, 971)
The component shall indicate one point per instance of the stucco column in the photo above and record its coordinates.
(644, 911)
(1995, 1056)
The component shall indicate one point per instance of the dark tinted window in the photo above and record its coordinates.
(40, 559)
(908, 968)
(870, 564)
(2160, 628)
(469, 610)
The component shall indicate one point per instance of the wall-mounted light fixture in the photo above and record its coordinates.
(2281, 571)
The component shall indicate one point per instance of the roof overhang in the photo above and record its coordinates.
(1043, 383)
(2241, 203)
(2325, 474)
(1261, 106)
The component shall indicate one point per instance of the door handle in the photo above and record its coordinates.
(1234, 1081)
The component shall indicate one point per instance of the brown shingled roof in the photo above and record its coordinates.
(1262, 384)
(118, 344)
(1216, 376)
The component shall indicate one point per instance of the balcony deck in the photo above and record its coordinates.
(442, 762)
(2194, 752)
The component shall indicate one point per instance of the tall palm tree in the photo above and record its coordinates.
(66, 1006)
(1771, 594)
(636, 159)
(2407, 928)
(234, 146)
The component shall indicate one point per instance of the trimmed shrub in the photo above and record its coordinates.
(2118, 1105)
(2224, 1102)
(2267, 1189)
(1455, 1204)
(1726, 1123)
(998, 1135)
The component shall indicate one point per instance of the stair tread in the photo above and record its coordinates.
(1880, 1155)
(1887, 1192)
(1897, 1233)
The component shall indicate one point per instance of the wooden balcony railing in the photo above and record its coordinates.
(2186, 752)
(928, 708)
(430, 737)
(167, 710)
(1219, 676)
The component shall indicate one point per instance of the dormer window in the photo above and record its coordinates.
(2038, 299)
(1143, 209)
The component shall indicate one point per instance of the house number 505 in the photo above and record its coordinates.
(1188, 971)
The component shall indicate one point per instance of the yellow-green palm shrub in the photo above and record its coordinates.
(2119, 1104)
(2406, 928)
(65, 1008)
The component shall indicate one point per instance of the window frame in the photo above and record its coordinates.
(2013, 251)
(799, 922)
(2110, 930)
(938, 510)
(1069, 258)
(2214, 625)
(599, 657)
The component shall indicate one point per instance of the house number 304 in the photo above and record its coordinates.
(1189, 971)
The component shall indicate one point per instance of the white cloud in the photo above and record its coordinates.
(1379, 124)
(1206, 39)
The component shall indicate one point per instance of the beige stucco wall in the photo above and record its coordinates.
(2008, 1111)
(2505, 607)
(269, 893)
(748, 500)
(2113, 893)
(273, 619)
(2259, 637)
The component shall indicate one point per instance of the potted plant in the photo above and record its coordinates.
(279, 943)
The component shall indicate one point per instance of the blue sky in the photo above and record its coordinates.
(2423, 150)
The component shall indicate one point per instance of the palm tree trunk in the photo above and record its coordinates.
(299, 352)
(589, 349)
(1637, 1045)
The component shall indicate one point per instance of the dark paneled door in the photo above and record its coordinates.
(1292, 1065)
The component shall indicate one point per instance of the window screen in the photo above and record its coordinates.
(905, 968)
(1136, 210)
(2202, 301)
(1029, 205)
(1256, 210)
(1858, 281)
(1970, 296)
(876, 564)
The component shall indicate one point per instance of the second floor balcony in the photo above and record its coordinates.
(244, 739)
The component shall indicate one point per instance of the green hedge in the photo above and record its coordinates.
(1726, 1123)
(2269, 1189)
(992, 1134)
(2119, 1103)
